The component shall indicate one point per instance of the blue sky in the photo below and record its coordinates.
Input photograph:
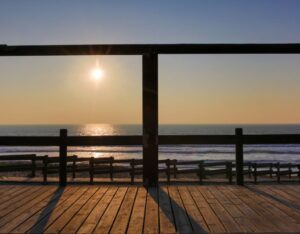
(193, 89)
(47, 22)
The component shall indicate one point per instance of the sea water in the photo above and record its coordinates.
(266, 153)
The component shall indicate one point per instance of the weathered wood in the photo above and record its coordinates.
(232, 210)
(61, 195)
(138, 212)
(207, 212)
(195, 217)
(115, 209)
(250, 201)
(150, 119)
(167, 222)
(75, 223)
(228, 222)
(108, 217)
(122, 219)
(59, 224)
(45, 222)
(180, 215)
(92, 220)
(17, 201)
(12, 193)
(23, 213)
(151, 223)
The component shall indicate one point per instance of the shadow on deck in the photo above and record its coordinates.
(185, 208)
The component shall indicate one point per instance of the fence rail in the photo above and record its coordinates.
(137, 140)
(141, 49)
(63, 141)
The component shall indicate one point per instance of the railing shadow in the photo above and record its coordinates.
(162, 195)
(43, 218)
(275, 198)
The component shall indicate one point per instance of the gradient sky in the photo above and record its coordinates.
(193, 89)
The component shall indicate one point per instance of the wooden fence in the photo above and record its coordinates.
(63, 141)
(150, 138)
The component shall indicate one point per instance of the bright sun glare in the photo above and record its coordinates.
(97, 73)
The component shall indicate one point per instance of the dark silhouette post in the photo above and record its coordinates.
(150, 119)
(239, 156)
(63, 157)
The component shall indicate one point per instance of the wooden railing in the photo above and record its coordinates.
(63, 141)
(150, 138)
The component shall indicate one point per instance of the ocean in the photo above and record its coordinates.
(266, 153)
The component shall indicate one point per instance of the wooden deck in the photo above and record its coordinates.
(133, 209)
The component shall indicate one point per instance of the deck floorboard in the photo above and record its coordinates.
(135, 209)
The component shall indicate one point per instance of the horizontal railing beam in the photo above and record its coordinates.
(29, 141)
(137, 140)
(272, 139)
(103, 140)
(196, 139)
(141, 49)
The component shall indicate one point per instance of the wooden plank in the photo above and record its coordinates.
(259, 208)
(12, 193)
(6, 189)
(279, 209)
(183, 224)
(109, 215)
(283, 192)
(166, 217)
(44, 223)
(19, 215)
(138, 212)
(252, 219)
(18, 201)
(249, 207)
(228, 222)
(208, 214)
(122, 219)
(151, 223)
(93, 219)
(59, 224)
(292, 190)
(195, 217)
(76, 222)
(27, 210)
(288, 208)
(240, 219)
(253, 200)
(55, 201)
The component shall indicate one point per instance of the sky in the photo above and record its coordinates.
(193, 89)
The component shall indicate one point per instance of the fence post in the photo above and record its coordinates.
(63, 157)
(239, 156)
(150, 119)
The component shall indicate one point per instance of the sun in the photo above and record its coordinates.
(97, 74)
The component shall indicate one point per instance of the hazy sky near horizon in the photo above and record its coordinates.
(192, 88)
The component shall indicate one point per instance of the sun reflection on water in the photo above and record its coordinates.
(98, 130)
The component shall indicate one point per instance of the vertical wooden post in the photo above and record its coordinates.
(63, 157)
(239, 156)
(150, 119)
